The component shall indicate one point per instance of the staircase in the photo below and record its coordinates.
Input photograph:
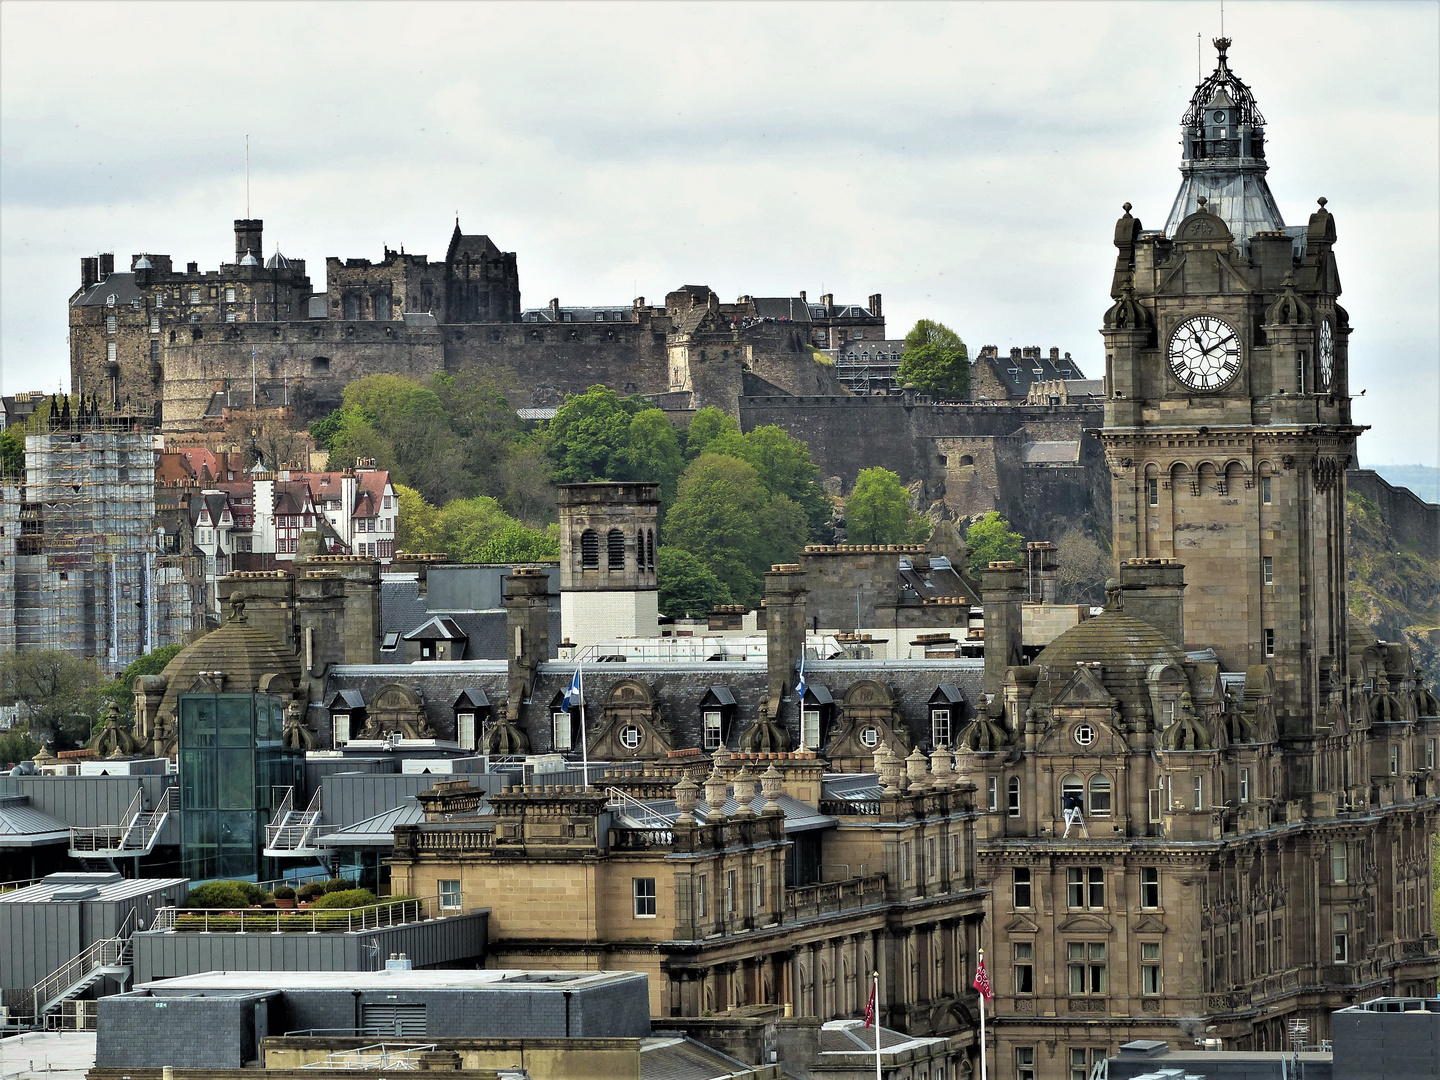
(133, 837)
(107, 958)
(291, 833)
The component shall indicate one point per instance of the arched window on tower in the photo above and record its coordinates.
(615, 545)
(590, 550)
(650, 548)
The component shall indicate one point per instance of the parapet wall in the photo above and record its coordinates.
(1414, 521)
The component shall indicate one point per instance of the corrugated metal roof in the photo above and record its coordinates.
(108, 887)
(379, 831)
(21, 825)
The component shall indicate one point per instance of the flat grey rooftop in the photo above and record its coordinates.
(490, 978)
(97, 887)
(47, 1055)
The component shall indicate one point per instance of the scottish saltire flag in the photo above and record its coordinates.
(800, 686)
(573, 693)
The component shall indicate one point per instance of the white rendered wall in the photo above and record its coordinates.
(588, 617)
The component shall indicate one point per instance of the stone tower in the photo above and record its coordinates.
(1227, 415)
(608, 537)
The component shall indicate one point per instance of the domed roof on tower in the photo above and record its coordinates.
(1223, 160)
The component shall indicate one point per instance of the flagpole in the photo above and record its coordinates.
(584, 738)
(876, 976)
(983, 1073)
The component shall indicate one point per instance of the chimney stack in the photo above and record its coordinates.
(784, 630)
(89, 271)
(875, 305)
(1002, 590)
(107, 265)
(1045, 582)
(1154, 591)
(527, 626)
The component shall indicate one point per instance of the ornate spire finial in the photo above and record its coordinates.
(1322, 201)
(1222, 46)
(1126, 208)
(1200, 201)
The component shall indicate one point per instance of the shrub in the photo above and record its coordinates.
(346, 898)
(225, 894)
(310, 890)
(336, 884)
(284, 892)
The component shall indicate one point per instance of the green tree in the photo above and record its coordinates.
(414, 518)
(935, 360)
(60, 693)
(513, 542)
(590, 434)
(724, 517)
(879, 511)
(707, 425)
(687, 587)
(16, 746)
(990, 539)
(652, 453)
(784, 467)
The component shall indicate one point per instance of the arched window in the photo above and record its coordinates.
(966, 459)
(1100, 794)
(650, 548)
(589, 550)
(1013, 797)
(352, 306)
(1072, 785)
(615, 546)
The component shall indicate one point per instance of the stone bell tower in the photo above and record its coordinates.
(609, 534)
(1227, 414)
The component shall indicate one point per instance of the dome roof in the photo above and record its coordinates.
(1126, 648)
(144, 263)
(249, 259)
(245, 654)
(277, 261)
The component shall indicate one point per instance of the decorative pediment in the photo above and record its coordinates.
(1084, 689)
(398, 710)
(1085, 924)
(1148, 924)
(630, 725)
(1021, 925)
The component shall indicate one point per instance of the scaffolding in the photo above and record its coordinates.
(90, 578)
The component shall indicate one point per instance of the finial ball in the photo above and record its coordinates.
(1322, 201)
(1126, 208)
(1200, 201)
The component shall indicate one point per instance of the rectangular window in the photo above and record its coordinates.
(1152, 491)
(1269, 641)
(1152, 799)
(1265, 490)
(562, 730)
(811, 729)
(1024, 967)
(1150, 967)
(154, 324)
(194, 296)
(1095, 886)
(1012, 797)
(450, 894)
(701, 899)
(1199, 793)
(957, 859)
(1339, 863)
(1267, 569)
(760, 904)
(1075, 887)
(1300, 371)
(644, 893)
(229, 295)
(1277, 943)
(1244, 784)
(992, 787)
(465, 730)
(940, 727)
(932, 857)
(1394, 761)
(340, 728)
(110, 353)
(1430, 753)
(1020, 887)
(1078, 1068)
(154, 351)
(1024, 1063)
(729, 892)
(1086, 967)
(1342, 938)
(904, 860)
(230, 316)
(712, 729)
(109, 324)
(1149, 886)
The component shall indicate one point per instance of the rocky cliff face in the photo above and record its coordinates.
(1394, 587)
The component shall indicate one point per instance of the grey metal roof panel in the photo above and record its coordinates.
(1044, 453)
(377, 831)
(109, 887)
(473, 697)
(345, 699)
(439, 628)
(722, 695)
(948, 692)
(419, 319)
(21, 825)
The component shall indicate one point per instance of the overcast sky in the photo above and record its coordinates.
(966, 160)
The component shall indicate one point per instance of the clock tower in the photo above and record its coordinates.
(1227, 414)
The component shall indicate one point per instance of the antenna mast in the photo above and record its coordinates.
(247, 176)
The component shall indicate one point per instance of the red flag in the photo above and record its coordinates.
(870, 1007)
(982, 982)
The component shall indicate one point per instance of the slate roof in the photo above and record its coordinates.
(665, 1057)
(120, 285)
(23, 826)
(781, 307)
(852, 1037)
(679, 688)
(403, 609)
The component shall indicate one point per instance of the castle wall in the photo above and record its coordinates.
(1412, 520)
(555, 359)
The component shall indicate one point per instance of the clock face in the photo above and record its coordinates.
(1219, 118)
(1327, 353)
(1204, 352)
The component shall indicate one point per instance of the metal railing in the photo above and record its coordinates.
(311, 920)
(83, 969)
(291, 832)
(642, 814)
(136, 835)
(376, 1056)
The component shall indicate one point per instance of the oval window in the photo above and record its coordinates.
(1084, 735)
(870, 736)
(630, 736)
